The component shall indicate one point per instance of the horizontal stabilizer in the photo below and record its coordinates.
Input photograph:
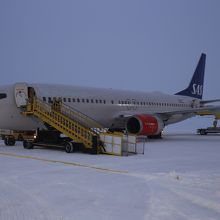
(209, 101)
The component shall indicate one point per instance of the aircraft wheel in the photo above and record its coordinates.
(28, 145)
(11, 141)
(68, 147)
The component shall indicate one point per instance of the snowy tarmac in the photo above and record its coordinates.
(178, 177)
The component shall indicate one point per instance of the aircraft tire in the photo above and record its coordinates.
(68, 147)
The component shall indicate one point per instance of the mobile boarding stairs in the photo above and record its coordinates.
(79, 129)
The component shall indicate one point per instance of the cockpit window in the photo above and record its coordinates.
(3, 95)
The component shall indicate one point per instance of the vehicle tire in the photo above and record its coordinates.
(25, 144)
(68, 147)
(11, 141)
(203, 132)
(6, 141)
(76, 146)
(28, 144)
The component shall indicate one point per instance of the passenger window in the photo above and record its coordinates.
(69, 99)
(112, 102)
(78, 100)
(49, 99)
(91, 100)
(87, 100)
(96, 101)
(73, 100)
(64, 99)
(104, 101)
(83, 100)
(44, 99)
(100, 101)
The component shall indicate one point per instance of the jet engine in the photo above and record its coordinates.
(148, 125)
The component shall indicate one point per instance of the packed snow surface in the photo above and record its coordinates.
(177, 178)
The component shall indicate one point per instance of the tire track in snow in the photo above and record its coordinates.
(198, 200)
(157, 205)
(167, 194)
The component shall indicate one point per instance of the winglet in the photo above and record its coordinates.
(195, 88)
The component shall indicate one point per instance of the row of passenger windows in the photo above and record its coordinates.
(102, 101)
(51, 99)
(155, 103)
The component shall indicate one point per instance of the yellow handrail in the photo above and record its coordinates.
(70, 122)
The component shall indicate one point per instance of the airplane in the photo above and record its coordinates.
(140, 113)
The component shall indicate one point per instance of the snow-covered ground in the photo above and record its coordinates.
(177, 178)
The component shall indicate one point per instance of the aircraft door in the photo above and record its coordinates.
(21, 94)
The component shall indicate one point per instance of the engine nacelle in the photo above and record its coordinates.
(145, 125)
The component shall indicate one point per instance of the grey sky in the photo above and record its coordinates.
(137, 45)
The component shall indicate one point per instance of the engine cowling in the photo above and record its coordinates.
(145, 125)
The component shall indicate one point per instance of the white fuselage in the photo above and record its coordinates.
(103, 105)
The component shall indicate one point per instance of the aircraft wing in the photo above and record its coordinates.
(209, 101)
(120, 121)
(207, 110)
(213, 109)
(215, 112)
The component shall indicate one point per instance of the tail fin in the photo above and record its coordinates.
(195, 88)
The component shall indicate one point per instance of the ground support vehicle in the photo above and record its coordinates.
(209, 130)
(10, 137)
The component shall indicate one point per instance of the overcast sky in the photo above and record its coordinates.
(137, 45)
